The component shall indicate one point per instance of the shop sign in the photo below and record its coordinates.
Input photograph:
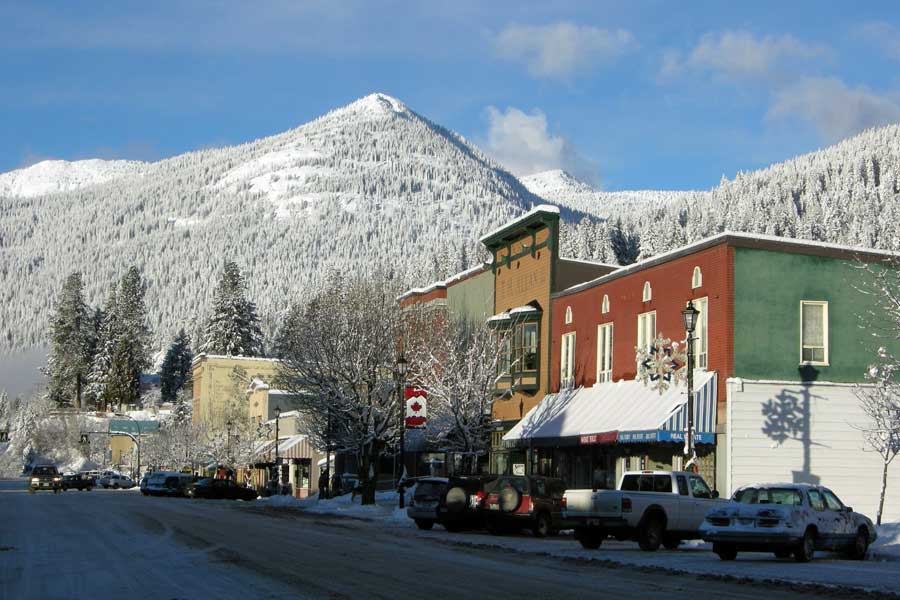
(416, 408)
(608, 437)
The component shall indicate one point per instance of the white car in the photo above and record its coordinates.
(787, 519)
(116, 481)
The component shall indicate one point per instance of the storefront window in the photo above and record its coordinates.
(530, 346)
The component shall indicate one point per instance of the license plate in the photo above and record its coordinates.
(494, 506)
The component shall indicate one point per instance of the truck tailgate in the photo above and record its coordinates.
(588, 503)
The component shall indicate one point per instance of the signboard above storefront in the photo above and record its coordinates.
(608, 437)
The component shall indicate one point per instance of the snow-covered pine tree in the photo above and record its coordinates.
(133, 345)
(71, 333)
(97, 392)
(176, 367)
(233, 327)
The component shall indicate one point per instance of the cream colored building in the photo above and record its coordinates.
(220, 385)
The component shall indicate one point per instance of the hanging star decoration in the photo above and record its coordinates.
(660, 365)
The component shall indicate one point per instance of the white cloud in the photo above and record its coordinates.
(522, 143)
(741, 55)
(561, 49)
(835, 110)
(884, 35)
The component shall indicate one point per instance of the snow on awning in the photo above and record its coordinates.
(519, 313)
(624, 412)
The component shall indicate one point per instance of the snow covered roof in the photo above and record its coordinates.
(540, 209)
(203, 355)
(745, 240)
(452, 280)
(595, 263)
(507, 315)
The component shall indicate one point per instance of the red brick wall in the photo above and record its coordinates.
(435, 294)
(671, 287)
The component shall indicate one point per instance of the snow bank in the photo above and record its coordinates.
(887, 546)
(384, 510)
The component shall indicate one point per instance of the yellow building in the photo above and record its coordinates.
(221, 383)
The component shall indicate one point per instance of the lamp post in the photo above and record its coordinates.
(690, 314)
(277, 465)
(401, 376)
(228, 426)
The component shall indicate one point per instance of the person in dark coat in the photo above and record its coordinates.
(323, 484)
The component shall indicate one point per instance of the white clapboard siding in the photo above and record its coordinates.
(837, 457)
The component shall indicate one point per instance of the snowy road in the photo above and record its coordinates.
(116, 544)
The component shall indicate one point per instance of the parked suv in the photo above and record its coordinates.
(77, 481)
(44, 477)
(424, 506)
(462, 506)
(525, 502)
(455, 502)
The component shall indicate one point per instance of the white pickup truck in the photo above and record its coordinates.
(652, 507)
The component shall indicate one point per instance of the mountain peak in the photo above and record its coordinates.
(376, 104)
(555, 182)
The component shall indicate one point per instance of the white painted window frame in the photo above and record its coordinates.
(696, 278)
(604, 305)
(826, 353)
(647, 293)
(702, 318)
(644, 344)
(567, 360)
(604, 371)
(568, 315)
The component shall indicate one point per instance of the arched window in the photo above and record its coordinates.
(568, 315)
(648, 293)
(696, 278)
(604, 306)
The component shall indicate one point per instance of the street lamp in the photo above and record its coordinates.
(690, 314)
(228, 426)
(401, 377)
(277, 466)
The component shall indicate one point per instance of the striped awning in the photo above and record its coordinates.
(294, 446)
(619, 412)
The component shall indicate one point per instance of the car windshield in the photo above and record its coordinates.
(786, 496)
(38, 471)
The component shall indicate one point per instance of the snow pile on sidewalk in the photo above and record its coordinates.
(383, 511)
(888, 543)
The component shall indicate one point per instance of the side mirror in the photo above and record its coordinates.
(714, 494)
(848, 509)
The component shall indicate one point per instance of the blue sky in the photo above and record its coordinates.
(636, 95)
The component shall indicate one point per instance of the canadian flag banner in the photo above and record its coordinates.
(416, 411)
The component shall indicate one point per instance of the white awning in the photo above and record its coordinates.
(624, 411)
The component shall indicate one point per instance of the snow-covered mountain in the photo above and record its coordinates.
(369, 187)
(52, 176)
(373, 187)
(561, 188)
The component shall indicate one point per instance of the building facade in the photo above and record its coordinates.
(779, 352)
(220, 386)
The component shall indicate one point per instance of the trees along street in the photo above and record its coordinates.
(338, 354)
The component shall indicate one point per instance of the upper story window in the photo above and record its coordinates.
(813, 332)
(646, 329)
(604, 352)
(567, 361)
(648, 293)
(604, 306)
(527, 350)
(697, 278)
(568, 315)
(701, 333)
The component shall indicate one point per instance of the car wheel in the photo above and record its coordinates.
(424, 524)
(725, 551)
(860, 545)
(807, 548)
(590, 539)
(542, 525)
(671, 542)
(651, 535)
(782, 553)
